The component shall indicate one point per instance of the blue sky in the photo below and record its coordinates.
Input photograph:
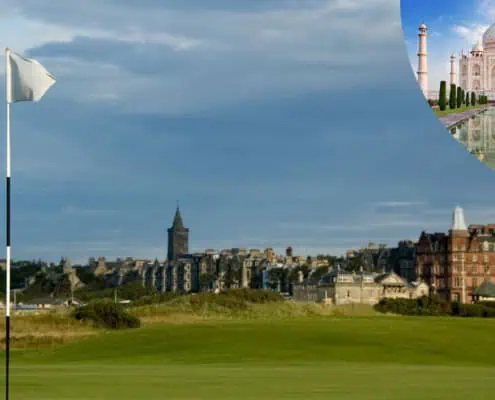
(453, 26)
(274, 123)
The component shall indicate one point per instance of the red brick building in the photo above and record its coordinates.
(457, 263)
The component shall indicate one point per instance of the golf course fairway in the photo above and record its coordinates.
(309, 358)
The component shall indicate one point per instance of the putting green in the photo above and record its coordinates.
(345, 358)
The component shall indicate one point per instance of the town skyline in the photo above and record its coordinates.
(279, 251)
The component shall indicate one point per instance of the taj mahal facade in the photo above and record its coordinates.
(473, 71)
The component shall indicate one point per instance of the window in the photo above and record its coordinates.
(348, 293)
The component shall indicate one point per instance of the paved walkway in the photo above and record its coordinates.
(452, 119)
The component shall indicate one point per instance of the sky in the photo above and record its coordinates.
(273, 123)
(453, 26)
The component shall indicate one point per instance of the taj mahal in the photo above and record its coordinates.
(473, 71)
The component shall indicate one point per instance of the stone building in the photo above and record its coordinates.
(454, 264)
(206, 271)
(363, 288)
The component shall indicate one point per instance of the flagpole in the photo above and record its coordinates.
(7, 236)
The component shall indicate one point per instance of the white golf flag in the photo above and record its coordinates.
(27, 79)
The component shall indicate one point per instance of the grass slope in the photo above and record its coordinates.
(459, 110)
(312, 358)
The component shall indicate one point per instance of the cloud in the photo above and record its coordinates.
(208, 57)
(396, 204)
(486, 8)
(470, 33)
(71, 210)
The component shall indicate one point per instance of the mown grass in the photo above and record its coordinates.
(200, 348)
(344, 357)
(459, 110)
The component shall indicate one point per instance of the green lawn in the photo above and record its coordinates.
(346, 358)
(455, 110)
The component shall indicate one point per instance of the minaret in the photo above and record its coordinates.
(423, 60)
(452, 69)
(178, 238)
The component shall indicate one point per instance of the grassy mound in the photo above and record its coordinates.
(240, 304)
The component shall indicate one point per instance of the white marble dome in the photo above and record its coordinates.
(489, 36)
(478, 46)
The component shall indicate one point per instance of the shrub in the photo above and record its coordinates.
(452, 97)
(155, 299)
(459, 97)
(473, 98)
(105, 313)
(436, 307)
(489, 312)
(233, 299)
(468, 310)
(468, 99)
(432, 103)
(253, 295)
(488, 304)
(442, 100)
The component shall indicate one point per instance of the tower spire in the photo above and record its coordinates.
(177, 223)
(178, 237)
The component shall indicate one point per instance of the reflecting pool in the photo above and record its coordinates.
(477, 134)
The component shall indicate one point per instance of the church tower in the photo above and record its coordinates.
(178, 238)
(423, 59)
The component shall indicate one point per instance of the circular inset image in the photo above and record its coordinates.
(451, 46)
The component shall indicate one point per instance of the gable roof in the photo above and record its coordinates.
(486, 289)
(391, 279)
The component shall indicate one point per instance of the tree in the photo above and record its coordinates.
(355, 263)
(452, 97)
(473, 98)
(294, 272)
(275, 278)
(463, 96)
(229, 278)
(459, 97)
(319, 272)
(467, 99)
(206, 280)
(442, 100)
